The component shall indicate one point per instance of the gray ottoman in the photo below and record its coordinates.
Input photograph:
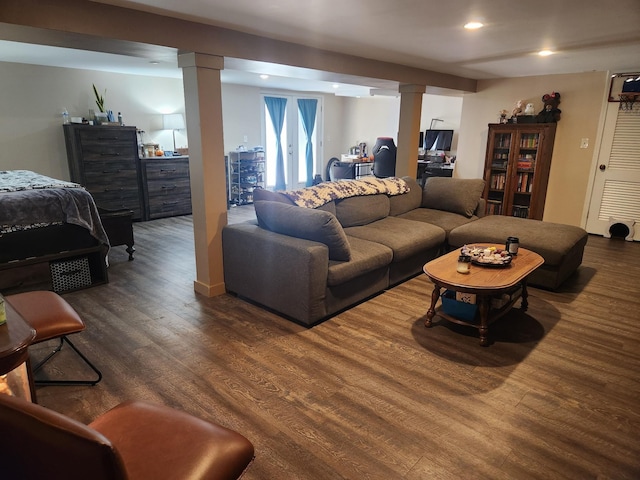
(561, 246)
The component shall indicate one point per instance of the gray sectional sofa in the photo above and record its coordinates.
(310, 263)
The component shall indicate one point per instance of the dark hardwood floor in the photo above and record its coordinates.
(372, 393)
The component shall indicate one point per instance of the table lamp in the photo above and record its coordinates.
(173, 121)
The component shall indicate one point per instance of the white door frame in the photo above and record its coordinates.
(293, 143)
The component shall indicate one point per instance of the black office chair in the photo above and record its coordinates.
(384, 158)
(337, 170)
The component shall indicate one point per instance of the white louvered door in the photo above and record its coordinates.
(616, 189)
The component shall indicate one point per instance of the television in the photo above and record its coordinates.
(438, 140)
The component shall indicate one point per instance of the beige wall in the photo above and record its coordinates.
(243, 111)
(33, 97)
(368, 118)
(582, 103)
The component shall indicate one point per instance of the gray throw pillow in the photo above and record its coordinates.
(456, 195)
(307, 223)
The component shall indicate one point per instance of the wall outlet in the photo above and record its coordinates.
(584, 143)
(246, 139)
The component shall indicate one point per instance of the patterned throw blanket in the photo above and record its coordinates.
(18, 180)
(29, 200)
(318, 195)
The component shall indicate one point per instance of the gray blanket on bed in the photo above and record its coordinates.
(45, 201)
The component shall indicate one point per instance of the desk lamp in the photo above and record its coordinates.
(173, 122)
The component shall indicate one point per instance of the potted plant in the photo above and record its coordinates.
(101, 116)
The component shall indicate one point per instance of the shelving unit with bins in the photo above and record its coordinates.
(517, 168)
(246, 172)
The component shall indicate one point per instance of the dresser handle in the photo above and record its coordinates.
(110, 154)
(162, 170)
(169, 187)
(169, 203)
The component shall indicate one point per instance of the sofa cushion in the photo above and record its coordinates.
(553, 241)
(307, 223)
(268, 195)
(362, 210)
(445, 220)
(405, 237)
(399, 204)
(366, 256)
(456, 195)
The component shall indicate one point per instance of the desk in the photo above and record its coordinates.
(349, 170)
(431, 169)
(15, 337)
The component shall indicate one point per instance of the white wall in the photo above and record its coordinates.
(367, 118)
(33, 97)
(445, 108)
(242, 111)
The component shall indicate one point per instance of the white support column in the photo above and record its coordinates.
(409, 129)
(203, 108)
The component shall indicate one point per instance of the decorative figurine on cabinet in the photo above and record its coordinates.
(529, 110)
(518, 109)
(550, 113)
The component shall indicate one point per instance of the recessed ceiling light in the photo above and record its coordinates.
(153, 62)
(264, 76)
(335, 85)
(545, 53)
(473, 25)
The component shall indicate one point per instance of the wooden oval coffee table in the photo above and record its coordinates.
(485, 282)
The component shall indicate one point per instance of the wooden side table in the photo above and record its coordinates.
(484, 282)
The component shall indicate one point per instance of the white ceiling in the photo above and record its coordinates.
(587, 35)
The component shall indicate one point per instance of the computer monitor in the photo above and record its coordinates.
(435, 140)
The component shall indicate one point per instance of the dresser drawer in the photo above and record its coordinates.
(111, 136)
(167, 187)
(161, 186)
(108, 152)
(169, 205)
(111, 167)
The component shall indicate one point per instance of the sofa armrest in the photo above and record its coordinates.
(284, 273)
(480, 209)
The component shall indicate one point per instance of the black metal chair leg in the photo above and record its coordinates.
(67, 382)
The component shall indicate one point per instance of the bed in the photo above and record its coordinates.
(47, 224)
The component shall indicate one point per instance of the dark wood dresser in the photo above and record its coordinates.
(166, 186)
(104, 159)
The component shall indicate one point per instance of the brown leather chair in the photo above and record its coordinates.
(52, 318)
(134, 441)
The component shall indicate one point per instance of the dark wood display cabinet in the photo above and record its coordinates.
(516, 170)
(104, 159)
(166, 186)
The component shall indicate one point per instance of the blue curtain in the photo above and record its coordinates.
(307, 109)
(277, 107)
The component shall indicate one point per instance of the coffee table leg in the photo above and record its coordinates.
(485, 303)
(435, 295)
(524, 304)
